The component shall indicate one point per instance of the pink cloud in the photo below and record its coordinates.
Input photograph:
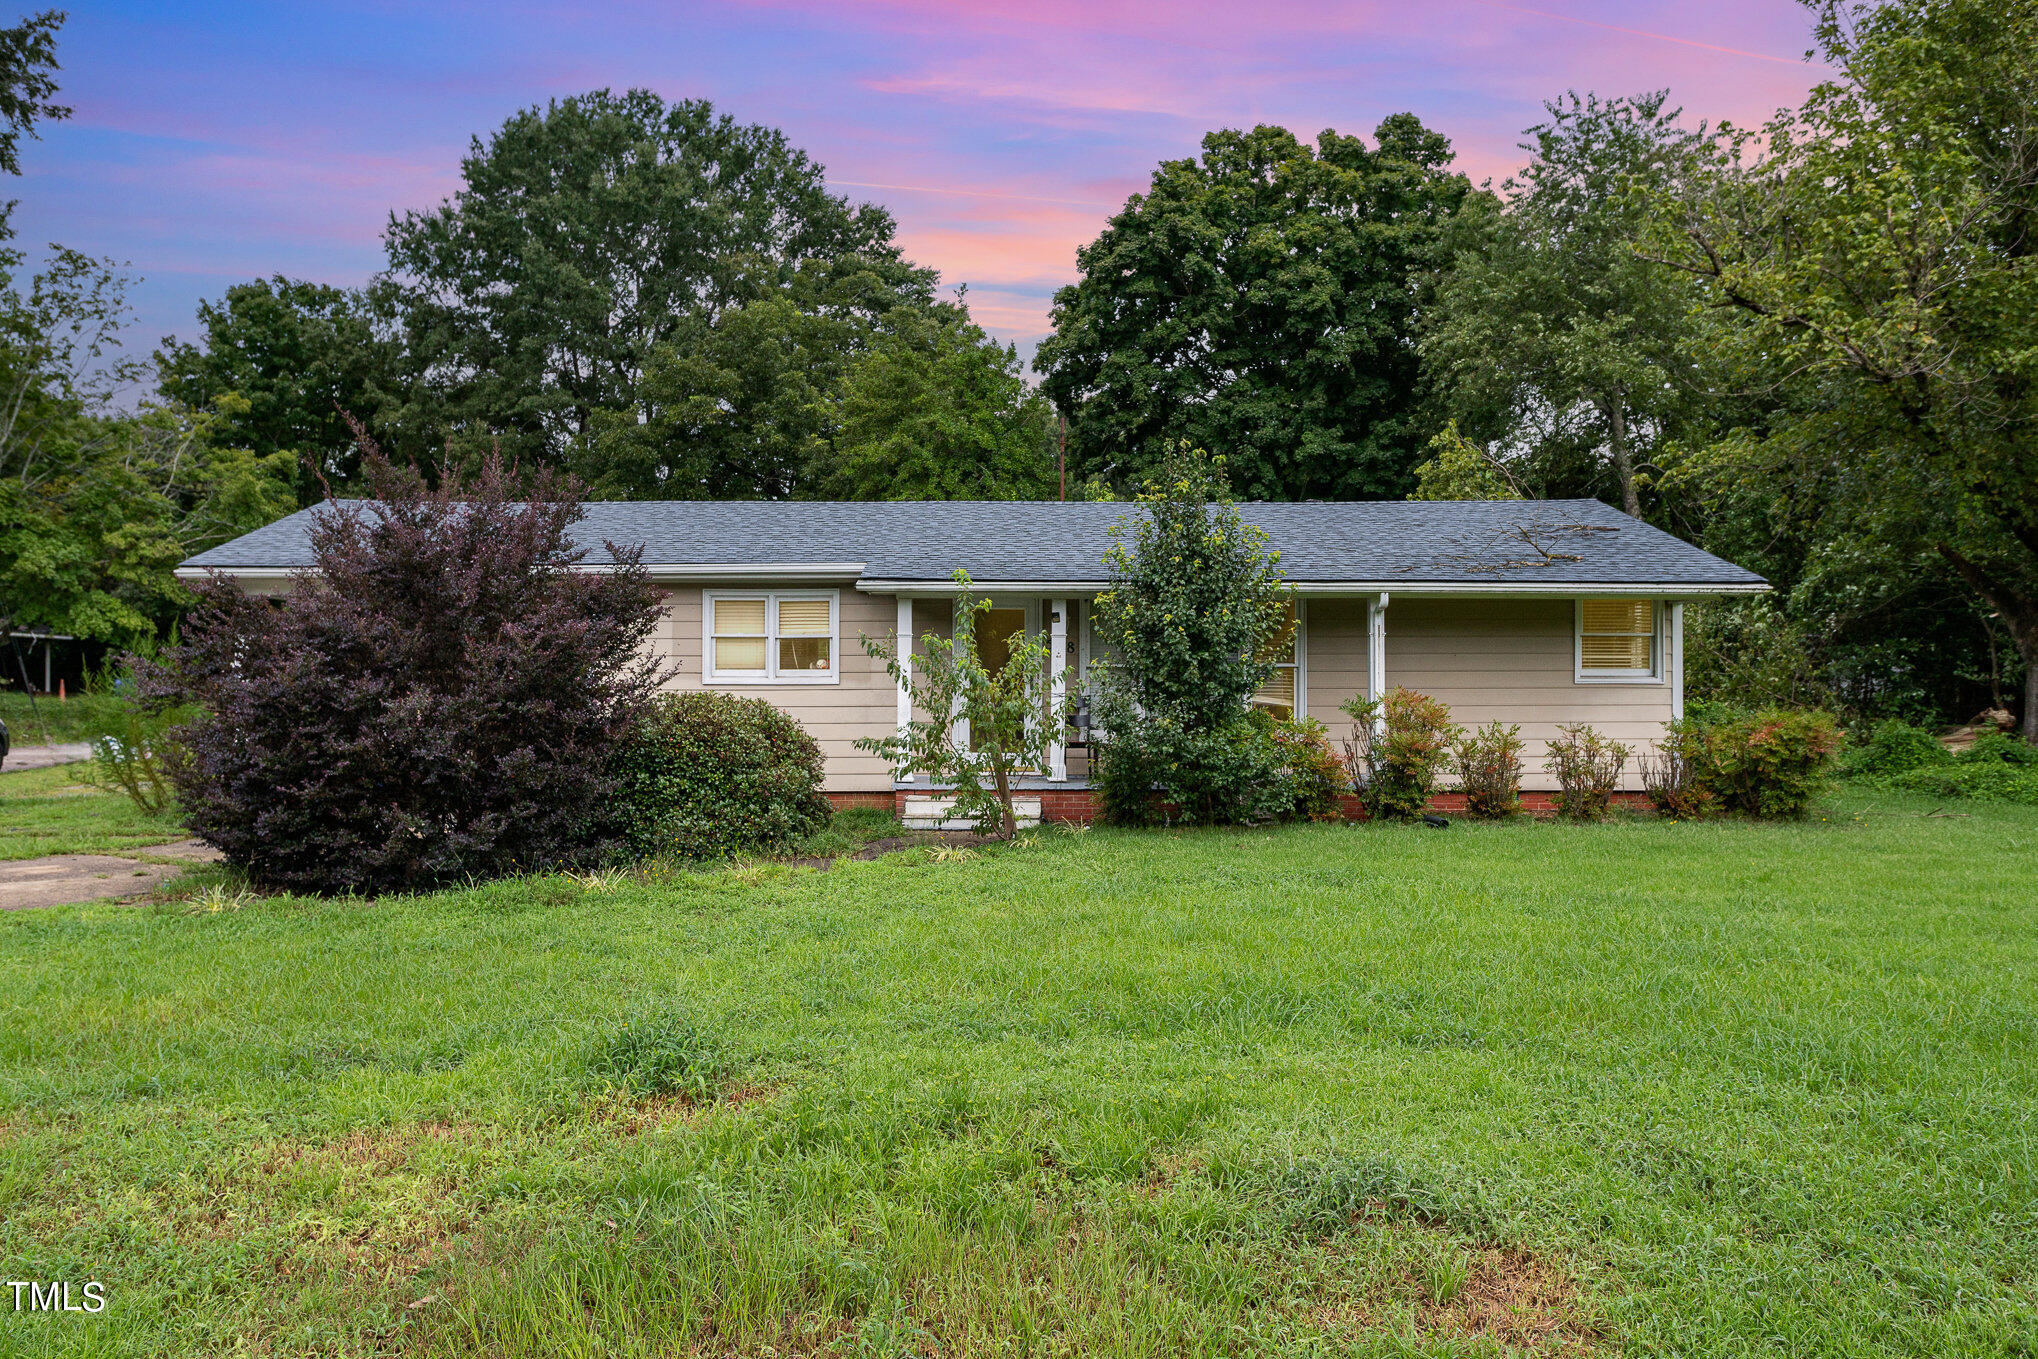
(1001, 138)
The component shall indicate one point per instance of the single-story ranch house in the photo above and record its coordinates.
(1532, 612)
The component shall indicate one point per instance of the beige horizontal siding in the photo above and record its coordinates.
(862, 703)
(1489, 660)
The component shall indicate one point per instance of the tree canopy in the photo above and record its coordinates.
(1874, 252)
(1261, 301)
(301, 358)
(936, 409)
(1549, 334)
(605, 233)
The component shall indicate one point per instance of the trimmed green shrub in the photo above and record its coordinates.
(705, 775)
(1587, 767)
(1397, 752)
(1770, 764)
(1489, 770)
(1894, 747)
(1156, 770)
(1309, 767)
(1989, 781)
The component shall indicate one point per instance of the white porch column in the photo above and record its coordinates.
(903, 639)
(1673, 664)
(1057, 694)
(1301, 659)
(1376, 653)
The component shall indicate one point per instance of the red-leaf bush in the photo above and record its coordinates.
(1309, 768)
(1772, 764)
(1673, 774)
(1398, 751)
(439, 698)
(1587, 767)
(1489, 770)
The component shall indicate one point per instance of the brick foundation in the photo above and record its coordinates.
(1535, 802)
(843, 801)
(1080, 804)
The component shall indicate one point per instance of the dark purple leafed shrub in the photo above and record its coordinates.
(438, 700)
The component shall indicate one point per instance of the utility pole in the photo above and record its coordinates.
(1061, 451)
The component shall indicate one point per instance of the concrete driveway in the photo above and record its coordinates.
(64, 879)
(42, 757)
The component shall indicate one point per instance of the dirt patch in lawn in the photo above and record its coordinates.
(1522, 1301)
(1517, 1299)
(877, 849)
(630, 1116)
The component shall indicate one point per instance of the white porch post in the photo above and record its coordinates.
(1675, 662)
(1376, 653)
(1301, 659)
(904, 641)
(1057, 694)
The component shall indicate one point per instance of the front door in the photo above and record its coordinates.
(998, 629)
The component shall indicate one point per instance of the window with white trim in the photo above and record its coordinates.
(770, 637)
(1619, 639)
(1278, 694)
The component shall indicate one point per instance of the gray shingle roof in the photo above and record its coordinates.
(1465, 543)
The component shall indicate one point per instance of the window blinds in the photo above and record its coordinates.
(1617, 634)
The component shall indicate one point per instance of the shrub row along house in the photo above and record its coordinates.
(1536, 613)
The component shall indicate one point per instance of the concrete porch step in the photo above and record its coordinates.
(924, 812)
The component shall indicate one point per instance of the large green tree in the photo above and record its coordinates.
(1875, 248)
(599, 232)
(730, 408)
(1261, 301)
(1549, 336)
(935, 409)
(302, 356)
(99, 504)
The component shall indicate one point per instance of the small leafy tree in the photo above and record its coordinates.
(1397, 751)
(438, 699)
(133, 757)
(133, 743)
(1007, 711)
(1191, 627)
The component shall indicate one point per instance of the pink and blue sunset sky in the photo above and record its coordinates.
(213, 143)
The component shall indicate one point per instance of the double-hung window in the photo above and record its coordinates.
(770, 637)
(1619, 640)
(1281, 693)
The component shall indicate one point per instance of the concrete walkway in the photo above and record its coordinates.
(64, 879)
(42, 757)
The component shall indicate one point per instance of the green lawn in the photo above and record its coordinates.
(1643, 1088)
(33, 721)
(55, 811)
